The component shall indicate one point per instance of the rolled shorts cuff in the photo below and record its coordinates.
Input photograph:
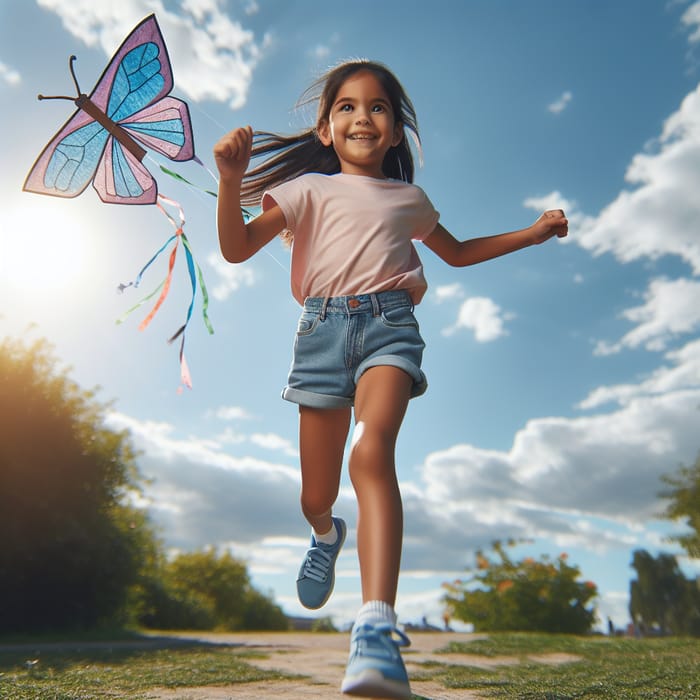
(314, 400)
(420, 383)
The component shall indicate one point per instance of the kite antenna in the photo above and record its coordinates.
(75, 80)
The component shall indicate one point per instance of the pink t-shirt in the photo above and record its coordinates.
(353, 234)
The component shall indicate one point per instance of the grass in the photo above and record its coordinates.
(120, 673)
(601, 669)
(616, 669)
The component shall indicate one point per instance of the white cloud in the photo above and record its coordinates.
(447, 292)
(252, 8)
(482, 316)
(561, 103)
(202, 494)
(9, 75)
(683, 372)
(230, 277)
(555, 200)
(691, 18)
(660, 215)
(212, 56)
(231, 413)
(561, 473)
(671, 308)
(270, 441)
(320, 52)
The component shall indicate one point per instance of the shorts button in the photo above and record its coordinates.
(353, 303)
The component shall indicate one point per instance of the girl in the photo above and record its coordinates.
(341, 192)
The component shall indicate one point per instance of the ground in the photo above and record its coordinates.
(321, 659)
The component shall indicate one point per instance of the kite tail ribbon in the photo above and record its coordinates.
(195, 275)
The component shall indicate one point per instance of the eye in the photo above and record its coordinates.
(378, 109)
(345, 108)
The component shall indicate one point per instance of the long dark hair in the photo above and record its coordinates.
(291, 156)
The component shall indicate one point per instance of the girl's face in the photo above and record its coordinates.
(361, 126)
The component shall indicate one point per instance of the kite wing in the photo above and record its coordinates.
(101, 141)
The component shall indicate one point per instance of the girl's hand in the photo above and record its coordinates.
(552, 223)
(232, 153)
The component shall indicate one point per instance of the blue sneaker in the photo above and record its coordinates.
(375, 668)
(317, 574)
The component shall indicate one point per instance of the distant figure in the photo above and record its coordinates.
(446, 621)
(611, 627)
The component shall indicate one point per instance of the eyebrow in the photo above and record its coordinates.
(353, 100)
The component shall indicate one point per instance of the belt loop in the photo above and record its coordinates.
(376, 308)
(322, 315)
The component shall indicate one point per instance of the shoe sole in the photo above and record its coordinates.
(372, 684)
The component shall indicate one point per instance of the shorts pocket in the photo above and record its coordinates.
(399, 317)
(307, 323)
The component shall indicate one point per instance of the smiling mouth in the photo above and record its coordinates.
(362, 137)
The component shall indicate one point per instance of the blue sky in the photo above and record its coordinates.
(564, 379)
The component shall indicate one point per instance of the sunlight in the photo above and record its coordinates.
(42, 248)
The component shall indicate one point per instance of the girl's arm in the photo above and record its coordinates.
(476, 250)
(239, 241)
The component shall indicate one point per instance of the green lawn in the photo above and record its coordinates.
(617, 668)
(101, 673)
(614, 669)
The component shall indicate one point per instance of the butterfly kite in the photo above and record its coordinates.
(104, 143)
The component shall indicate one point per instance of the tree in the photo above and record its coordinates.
(72, 546)
(201, 590)
(526, 595)
(684, 497)
(661, 598)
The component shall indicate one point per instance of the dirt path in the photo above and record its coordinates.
(321, 659)
(317, 659)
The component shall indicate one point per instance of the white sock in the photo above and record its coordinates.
(375, 612)
(330, 537)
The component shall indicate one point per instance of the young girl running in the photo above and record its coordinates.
(342, 194)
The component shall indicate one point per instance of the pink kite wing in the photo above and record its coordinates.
(164, 127)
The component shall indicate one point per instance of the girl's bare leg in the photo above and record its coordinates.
(322, 437)
(380, 404)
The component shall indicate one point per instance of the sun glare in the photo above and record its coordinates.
(43, 249)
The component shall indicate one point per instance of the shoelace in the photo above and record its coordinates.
(317, 564)
(384, 633)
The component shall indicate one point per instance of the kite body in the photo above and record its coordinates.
(103, 141)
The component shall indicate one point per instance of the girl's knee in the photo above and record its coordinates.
(314, 503)
(371, 454)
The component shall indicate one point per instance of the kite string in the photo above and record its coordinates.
(176, 176)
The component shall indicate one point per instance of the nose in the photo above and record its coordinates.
(362, 115)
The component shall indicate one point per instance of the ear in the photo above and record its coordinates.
(398, 134)
(324, 132)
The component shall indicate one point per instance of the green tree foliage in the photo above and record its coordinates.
(71, 544)
(684, 504)
(201, 590)
(526, 595)
(661, 598)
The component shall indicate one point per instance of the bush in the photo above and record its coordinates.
(72, 545)
(526, 595)
(202, 590)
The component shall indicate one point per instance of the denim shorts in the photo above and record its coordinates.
(339, 338)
